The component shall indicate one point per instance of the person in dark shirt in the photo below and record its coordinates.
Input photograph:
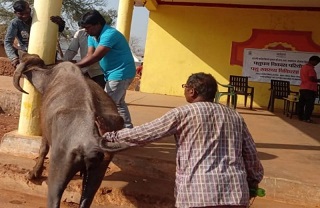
(19, 28)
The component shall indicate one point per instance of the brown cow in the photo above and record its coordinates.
(70, 104)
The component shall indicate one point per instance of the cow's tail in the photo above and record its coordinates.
(107, 146)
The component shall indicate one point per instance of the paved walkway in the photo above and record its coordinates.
(288, 148)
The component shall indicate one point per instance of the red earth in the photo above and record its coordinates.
(8, 122)
(5, 67)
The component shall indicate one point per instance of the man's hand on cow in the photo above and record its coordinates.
(101, 125)
(59, 21)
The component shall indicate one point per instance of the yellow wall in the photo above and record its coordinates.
(183, 40)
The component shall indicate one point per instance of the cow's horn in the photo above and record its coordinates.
(17, 75)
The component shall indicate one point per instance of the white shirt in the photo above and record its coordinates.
(80, 41)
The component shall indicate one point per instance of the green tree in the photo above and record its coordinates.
(135, 46)
(72, 10)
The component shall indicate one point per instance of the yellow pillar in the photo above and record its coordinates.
(125, 12)
(43, 41)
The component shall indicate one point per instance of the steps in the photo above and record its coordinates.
(118, 188)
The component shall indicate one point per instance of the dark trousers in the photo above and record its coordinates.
(306, 104)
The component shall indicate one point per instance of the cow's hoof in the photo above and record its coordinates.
(31, 175)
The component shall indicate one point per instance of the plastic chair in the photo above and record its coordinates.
(242, 87)
(229, 92)
(279, 90)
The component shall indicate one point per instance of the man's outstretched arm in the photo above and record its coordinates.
(104, 144)
(139, 135)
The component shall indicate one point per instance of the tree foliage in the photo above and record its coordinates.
(72, 10)
(135, 46)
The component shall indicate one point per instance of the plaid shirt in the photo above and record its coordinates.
(216, 155)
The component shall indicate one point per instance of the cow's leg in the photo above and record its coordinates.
(61, 170)
(92, 180)
(38, 168)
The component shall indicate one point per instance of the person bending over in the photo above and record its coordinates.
(80, 42)
(110, 48)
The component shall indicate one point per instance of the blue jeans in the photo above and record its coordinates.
(117, 89)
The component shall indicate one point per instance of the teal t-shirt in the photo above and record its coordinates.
(118, 63)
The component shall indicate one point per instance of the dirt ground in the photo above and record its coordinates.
(8, 122)
(5, 67)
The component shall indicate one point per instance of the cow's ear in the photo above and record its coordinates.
(21, 53)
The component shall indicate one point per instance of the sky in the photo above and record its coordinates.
(139, 20)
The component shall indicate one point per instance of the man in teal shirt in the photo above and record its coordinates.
(109, 47)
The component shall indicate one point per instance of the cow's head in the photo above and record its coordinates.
(28, 64)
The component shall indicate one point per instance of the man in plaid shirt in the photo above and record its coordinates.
(216, 159)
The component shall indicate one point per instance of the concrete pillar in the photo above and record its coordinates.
(125, 12)
(43, 41)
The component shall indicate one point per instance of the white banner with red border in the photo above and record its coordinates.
(262, 65)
